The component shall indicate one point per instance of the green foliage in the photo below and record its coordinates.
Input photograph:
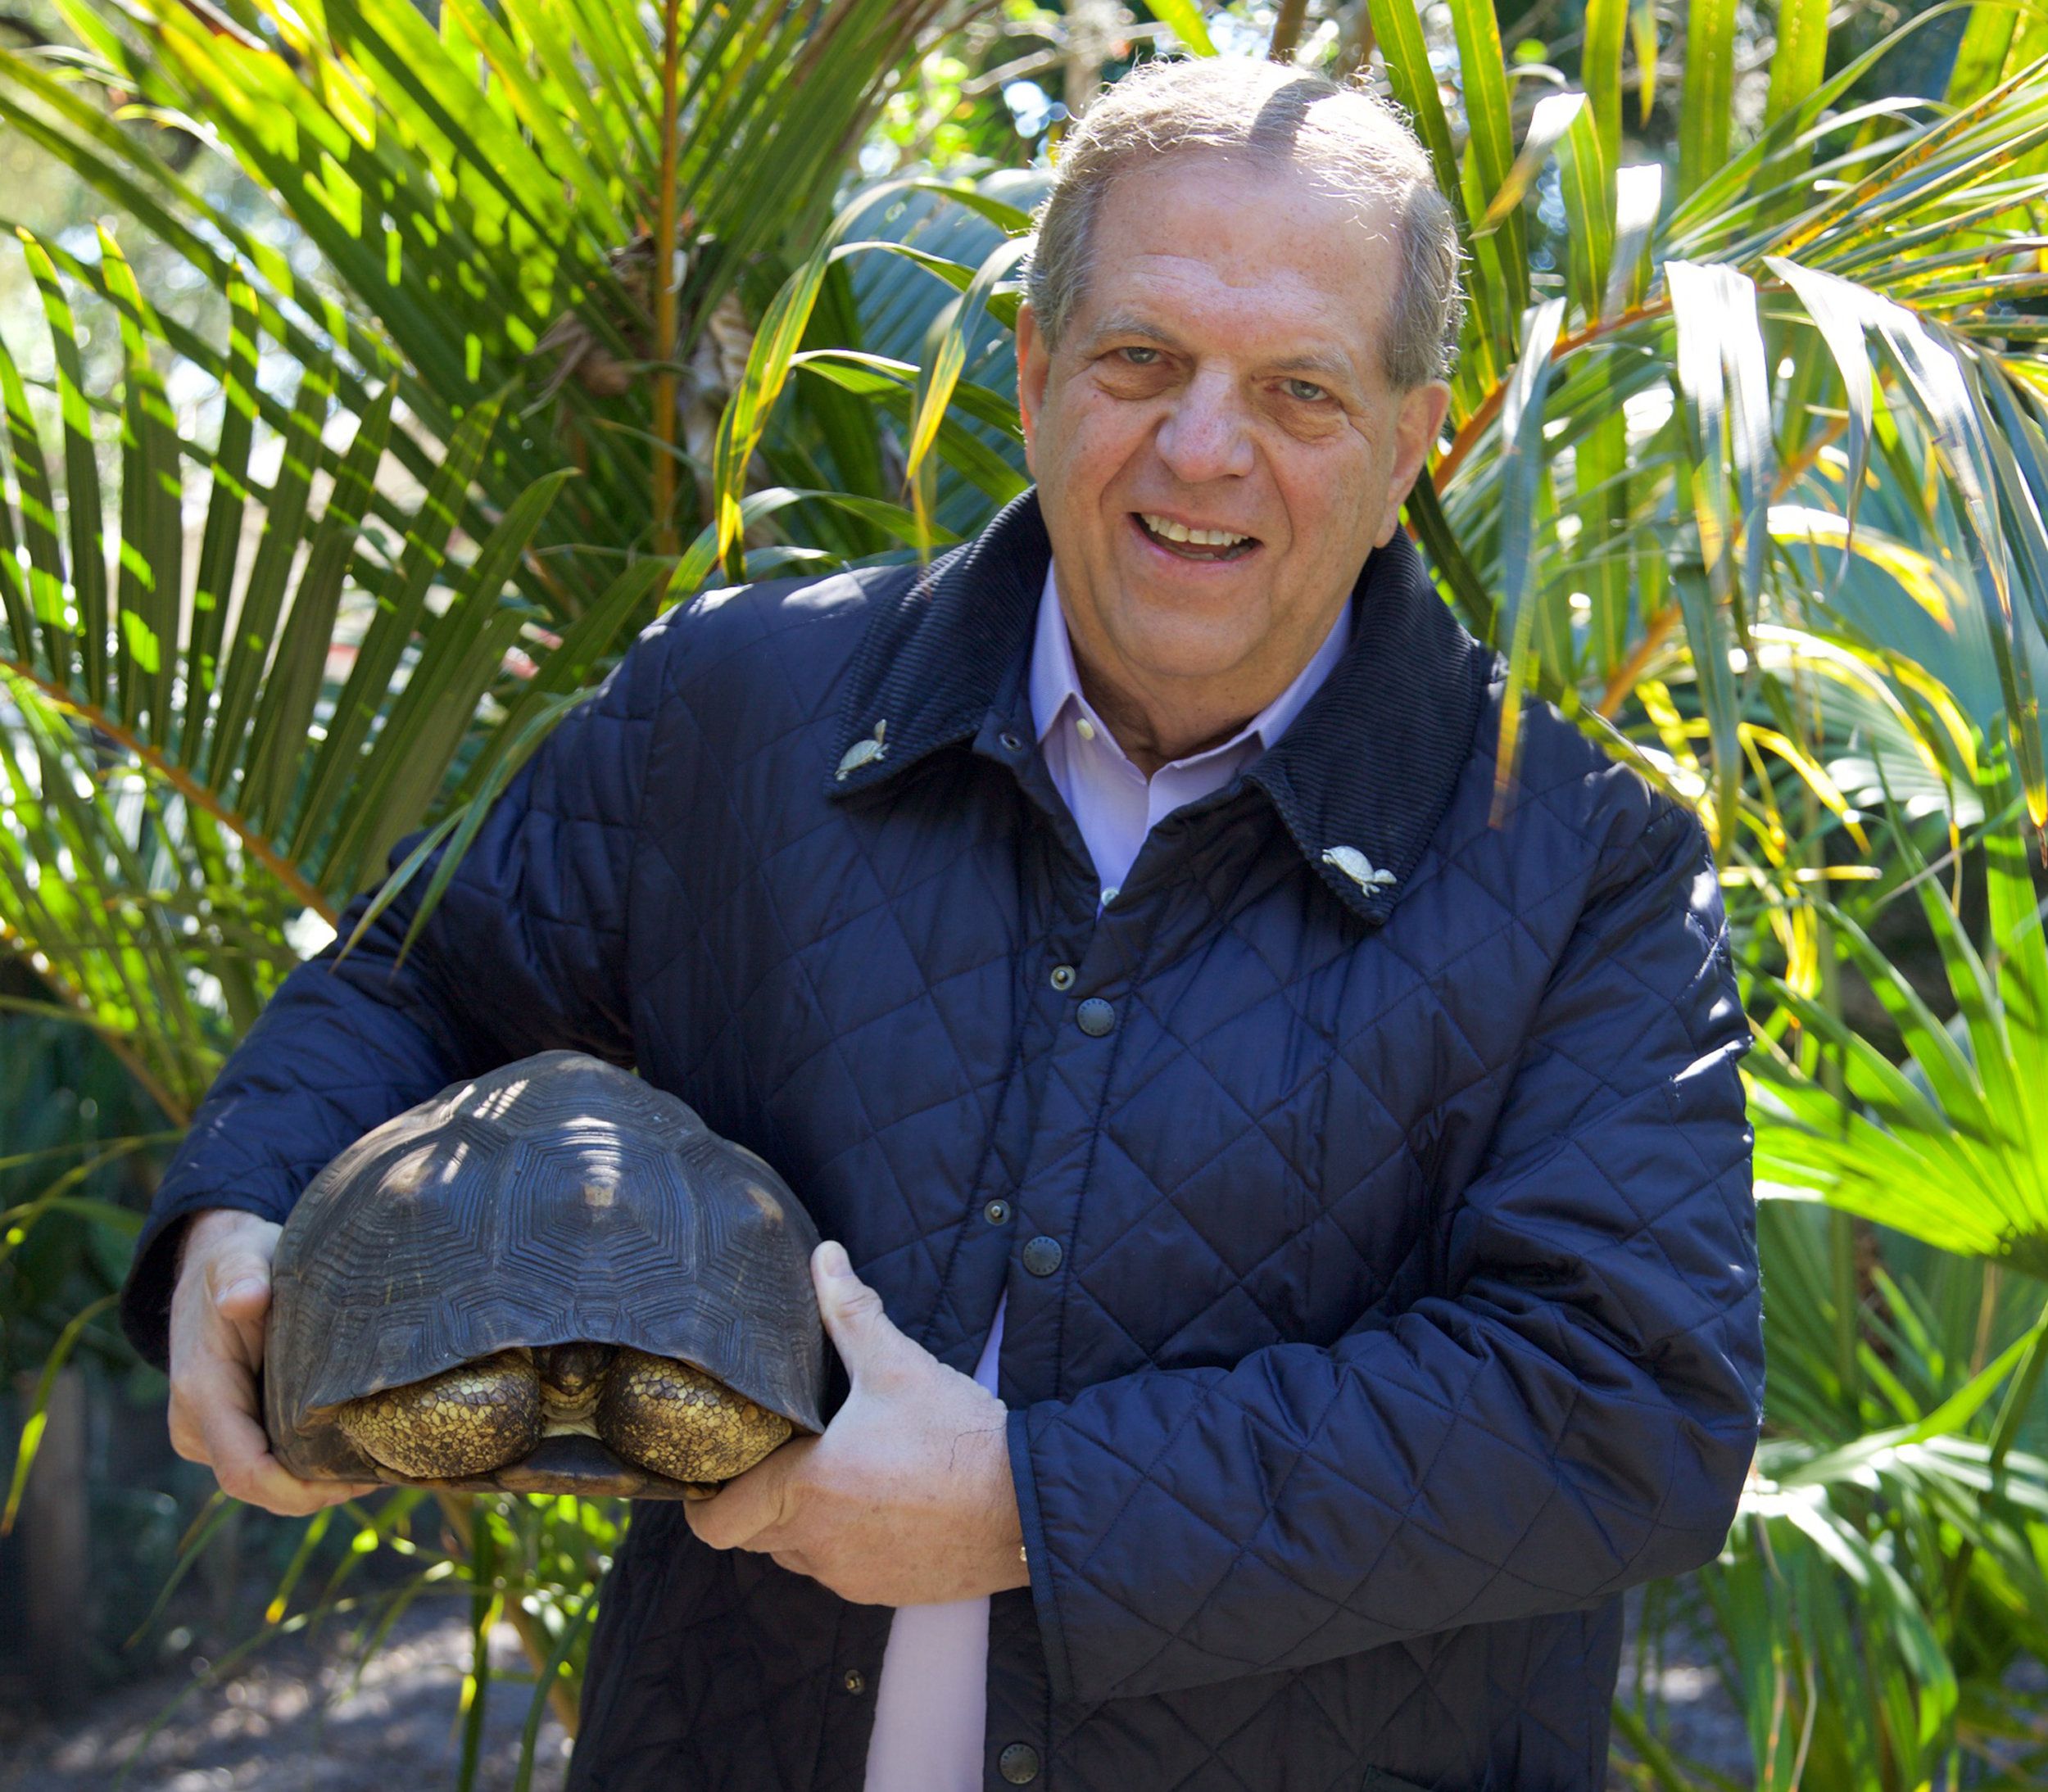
(432, 487)
(1747, 456)
(427, 519)
(78, 1128)
(1884, 1573)
(1946, 1146)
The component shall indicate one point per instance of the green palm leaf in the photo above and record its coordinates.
(154, 848)
(304, 694)
(1948, 1150)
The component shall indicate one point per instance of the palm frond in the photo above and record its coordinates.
(1947, 1148)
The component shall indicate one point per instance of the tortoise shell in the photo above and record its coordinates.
(554, 1201)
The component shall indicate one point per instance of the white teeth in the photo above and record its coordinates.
(1201, 538)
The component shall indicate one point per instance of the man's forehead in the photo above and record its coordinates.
(1197, 234)
(1222, 182)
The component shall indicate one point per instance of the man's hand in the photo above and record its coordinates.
(906, 1499)
(216, 1342)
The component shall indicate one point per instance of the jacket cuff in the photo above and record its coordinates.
(145, 1306)
(1038, 1558)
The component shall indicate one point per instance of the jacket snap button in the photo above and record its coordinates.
(1010, 742)
(1018, 1763)
(1096, 1017)
(1062, 977)
(856, 1681)
(1042, 1255)
(996, 1212)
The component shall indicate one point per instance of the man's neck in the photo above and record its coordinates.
(1158, 724)
(1155, 734)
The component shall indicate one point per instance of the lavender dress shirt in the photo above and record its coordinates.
(932, 1702)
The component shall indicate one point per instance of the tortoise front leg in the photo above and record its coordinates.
(468, 1420)
(679, 1422)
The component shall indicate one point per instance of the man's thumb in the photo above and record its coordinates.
(854, 1320)
(241, 1283)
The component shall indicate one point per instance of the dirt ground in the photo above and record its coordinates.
(1694, 1719)
(296, 1718)
(299, 1718)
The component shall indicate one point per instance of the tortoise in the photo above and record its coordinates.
(553, 1279)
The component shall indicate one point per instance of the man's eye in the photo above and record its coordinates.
(1139, 357)
(1306, 389)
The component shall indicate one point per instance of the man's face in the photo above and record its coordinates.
(1221, 373)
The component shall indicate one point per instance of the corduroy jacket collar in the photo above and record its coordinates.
(1361, 779)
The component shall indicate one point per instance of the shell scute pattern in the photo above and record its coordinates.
(556, 1201)
(570, 1197)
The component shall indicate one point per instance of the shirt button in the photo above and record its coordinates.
(1062, 977)
(1111, 893)
(1096, 1017)
(856, 1681)
(996, 1212)
(1018, 1763)
(1085, 728)
(1042, 1255)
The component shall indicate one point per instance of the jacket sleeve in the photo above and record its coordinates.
(1573, 1412)
(525, 952)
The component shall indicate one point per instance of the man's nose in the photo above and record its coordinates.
(1206, 435)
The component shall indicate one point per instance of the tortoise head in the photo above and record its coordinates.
(570, 1376)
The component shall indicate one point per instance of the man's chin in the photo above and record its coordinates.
(1164, 643)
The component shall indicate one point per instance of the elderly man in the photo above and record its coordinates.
(1294, 1260)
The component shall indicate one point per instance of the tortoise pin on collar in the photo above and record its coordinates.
(1359, 869)
(864, 752)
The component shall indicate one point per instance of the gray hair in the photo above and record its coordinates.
(1348, 141)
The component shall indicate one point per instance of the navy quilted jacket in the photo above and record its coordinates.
(1383, 1297)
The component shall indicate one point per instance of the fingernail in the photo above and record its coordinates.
(239, 1291)
(836, 1261)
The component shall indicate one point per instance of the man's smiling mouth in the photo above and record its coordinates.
(1192, 543)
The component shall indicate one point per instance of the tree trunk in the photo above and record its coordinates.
(56, 1545)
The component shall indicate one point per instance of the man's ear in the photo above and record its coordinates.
(1422, 416)
(1034, 365)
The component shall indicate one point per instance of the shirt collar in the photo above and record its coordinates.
(1055, 682)
(1360, 780)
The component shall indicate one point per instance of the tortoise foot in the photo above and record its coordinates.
(469, 1420)
(679, 1422)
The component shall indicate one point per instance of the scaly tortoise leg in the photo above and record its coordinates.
(679, 1422)
(468, 1420)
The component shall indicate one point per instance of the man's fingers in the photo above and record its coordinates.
(749, 1511)
(239, 1454)
(233, 1441)
(733, 1518)
(216, 1342)
(187, 1438)
(246, 1469)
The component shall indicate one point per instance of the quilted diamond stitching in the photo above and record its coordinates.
(1246, 945)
